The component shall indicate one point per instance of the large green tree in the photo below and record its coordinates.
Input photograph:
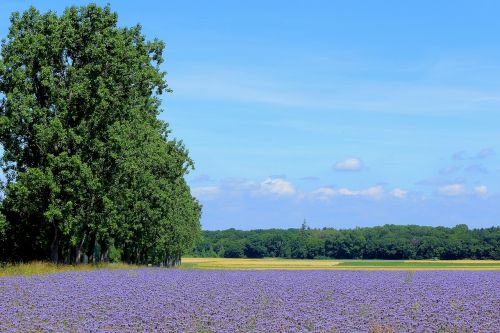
(89, 166)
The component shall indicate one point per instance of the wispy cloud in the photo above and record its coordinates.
(476, 168)
(440, 181)
(452, 189)
(325, 193)
(399, 193)
(282, 176)
(277, 186)
(484, 153)
(282, 188)
(350, 164)
(205, 192)
(310, 178)
(480, 155)
(271, 186)
(481, 190)
(243, 85)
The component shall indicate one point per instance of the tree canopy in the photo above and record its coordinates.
(384, 242)
(90, 169)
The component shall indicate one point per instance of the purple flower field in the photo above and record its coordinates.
(161, 300)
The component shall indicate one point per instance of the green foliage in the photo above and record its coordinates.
(254, 248)
(386, 242)
(234, 249)
(90, 167)
(115, 255)
(3, 226)
(3, 234)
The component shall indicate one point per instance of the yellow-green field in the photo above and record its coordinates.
(40, 268)
(292, 264)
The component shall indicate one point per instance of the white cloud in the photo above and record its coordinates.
(481, 190)
(277, 186)
(347, 192)
(374, 192)
(205, 192)
(325, 193)
(351, 164)
(399, 193)
(241, 186)
(452, 189)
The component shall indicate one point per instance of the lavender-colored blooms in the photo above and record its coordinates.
(161, 300)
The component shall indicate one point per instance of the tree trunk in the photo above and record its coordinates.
(105, 254)
(79, 252)
(172, 262)
(91, 250)
(176, 262)
(54, 248)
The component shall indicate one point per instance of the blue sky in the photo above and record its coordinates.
(347, 114)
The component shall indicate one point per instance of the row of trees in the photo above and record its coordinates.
(385, 242)
(91, 172)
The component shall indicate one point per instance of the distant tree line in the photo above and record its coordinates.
(91, 172)
(384, 242)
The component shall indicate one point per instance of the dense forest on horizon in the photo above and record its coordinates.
(382, 242)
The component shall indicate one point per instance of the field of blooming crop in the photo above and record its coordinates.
(161, 300)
